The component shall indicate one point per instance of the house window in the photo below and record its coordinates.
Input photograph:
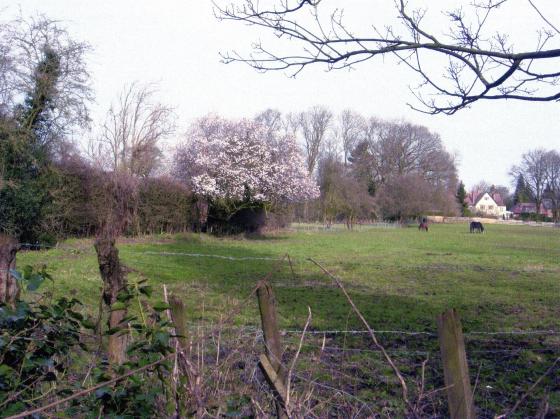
(482, 207)
(490, 207)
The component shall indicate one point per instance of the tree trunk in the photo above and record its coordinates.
(9, 288)
(201, 215)
(114, 281)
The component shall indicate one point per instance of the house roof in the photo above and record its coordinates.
(498, 199)
(524, 207)
(473, 199)
(482, 195)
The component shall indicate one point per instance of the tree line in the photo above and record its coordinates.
(537, 178)
(311, 164)
(370, 168)
(233, 174)
(49, 187)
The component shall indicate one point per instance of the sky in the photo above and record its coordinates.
(176, 43)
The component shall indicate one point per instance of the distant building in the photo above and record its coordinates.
(487, 204)
(531, 208)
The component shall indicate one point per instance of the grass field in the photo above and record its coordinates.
(505, 280)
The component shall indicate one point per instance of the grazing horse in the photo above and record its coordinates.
(476, 227)
(423, 225)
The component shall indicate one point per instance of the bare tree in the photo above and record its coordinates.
(404, 196)
(533, 170)
(481, 187)
(332, 143)
(352, 127)
(133, 130)
(399, 148)
(271, 119)
(314, 124)
(475, 61)
(552, 175)
(25, 45)
(290, 124)
(342, 195)
(6, 72)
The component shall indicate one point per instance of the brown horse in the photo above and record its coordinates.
(423, 226)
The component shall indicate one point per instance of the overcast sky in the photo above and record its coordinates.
(177, 43)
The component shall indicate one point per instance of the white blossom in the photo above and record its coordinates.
(224, 159)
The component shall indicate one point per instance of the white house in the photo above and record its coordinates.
(488, 205)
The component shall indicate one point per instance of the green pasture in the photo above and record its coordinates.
(505, 279)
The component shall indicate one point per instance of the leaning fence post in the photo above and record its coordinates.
(455, 367)
(271, 363)
(178, 317)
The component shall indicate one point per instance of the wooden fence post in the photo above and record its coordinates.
(271, 363)
(455, 367)
(292, 268)
(179, 321)
(9, 288)
(114, 281)
(190, 371)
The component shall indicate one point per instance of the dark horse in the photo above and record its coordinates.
(423, 225)
(477, 227)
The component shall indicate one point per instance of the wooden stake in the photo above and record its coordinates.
(114, 279)
(179, 320)
(455, 367)
(291, 268)
(273, 345)
(9, 288)
(273, 378)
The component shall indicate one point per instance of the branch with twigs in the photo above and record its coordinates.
(90, 389)
(478, 63)
(371, 332)
(509, 412)
(294, 360)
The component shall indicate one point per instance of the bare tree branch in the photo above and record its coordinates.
(131, 134)
(481, 64)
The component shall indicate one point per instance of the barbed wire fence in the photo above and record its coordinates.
(346, 369)
(339, 372)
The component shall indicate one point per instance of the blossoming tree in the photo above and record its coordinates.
(240, 164)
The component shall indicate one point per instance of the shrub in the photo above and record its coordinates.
(44, 345)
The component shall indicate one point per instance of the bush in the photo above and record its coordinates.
(531, 216)
(44, 346)
(164, 205)
(36, 341)
(82, 197)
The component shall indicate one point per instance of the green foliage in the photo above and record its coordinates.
(468, 213)
(35, 114)
(164, 206)
(143, 394)
(461, 196)
(41, 342)
(23, 180)
(532, 216)
(25, 148)
(36, 342)
(522, 192)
